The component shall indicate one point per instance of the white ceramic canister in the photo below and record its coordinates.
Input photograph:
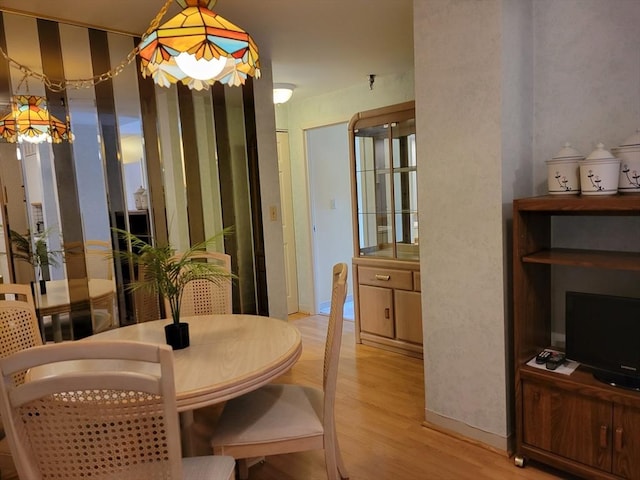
(629, 154)
(563, 171)
(599, 173)
(140, 198)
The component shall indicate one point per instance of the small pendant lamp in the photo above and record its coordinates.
(30, 121)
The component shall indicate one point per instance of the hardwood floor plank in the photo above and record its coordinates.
(379, 415)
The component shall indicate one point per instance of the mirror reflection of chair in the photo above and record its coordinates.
(99, 260)
(51, 422)
(146, 303)
(280, 418)
(204, 297)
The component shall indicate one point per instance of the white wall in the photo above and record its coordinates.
(329, 109)
(499, 95)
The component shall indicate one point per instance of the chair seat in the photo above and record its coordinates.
(275, 412)
(215, 467)
(278, 418)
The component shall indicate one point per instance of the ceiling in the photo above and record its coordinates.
(317, 45)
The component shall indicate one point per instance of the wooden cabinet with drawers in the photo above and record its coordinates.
(386, 266)
(388, 305)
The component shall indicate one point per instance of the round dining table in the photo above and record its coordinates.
(228, 354)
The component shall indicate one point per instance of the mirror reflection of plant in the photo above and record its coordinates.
(35, 250)
(167, 273)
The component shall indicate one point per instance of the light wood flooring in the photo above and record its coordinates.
(379, 410)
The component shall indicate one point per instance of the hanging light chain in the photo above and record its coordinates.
(64, 84)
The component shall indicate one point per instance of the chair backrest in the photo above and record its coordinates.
(19, 328)
(147, 304)
(334, 336)
(98, 255)
(204, 297)
(93, 421)
(18, 292)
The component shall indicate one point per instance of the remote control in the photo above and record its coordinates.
(543, 356)
(555, 361)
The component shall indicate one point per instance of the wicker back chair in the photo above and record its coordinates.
(120, 422)
(18, 292)
(203, 297)
(19, 330)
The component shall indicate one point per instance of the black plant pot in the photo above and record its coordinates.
(177, 335)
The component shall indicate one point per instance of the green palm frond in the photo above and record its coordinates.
(34, 249)
(167, 273)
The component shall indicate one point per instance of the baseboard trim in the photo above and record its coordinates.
(467, 433)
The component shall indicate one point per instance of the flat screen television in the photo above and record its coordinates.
(603, 333)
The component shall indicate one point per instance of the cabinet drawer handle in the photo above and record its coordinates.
(603, 436)
(386, 278)
(618, 439)
(386, 313)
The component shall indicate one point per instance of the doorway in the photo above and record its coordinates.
(327, 151)
(288, 233)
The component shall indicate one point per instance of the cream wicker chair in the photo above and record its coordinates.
(19, 327)
(277, 419)
(203, 297)
(18, 292)
(19, 330)
(119, 423)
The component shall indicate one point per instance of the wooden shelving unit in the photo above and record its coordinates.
(574, 422)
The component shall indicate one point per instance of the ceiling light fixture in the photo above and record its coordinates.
(30, 121)
(282, 92)
(198, 47)
(198, 36)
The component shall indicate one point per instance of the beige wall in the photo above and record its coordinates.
(459, 133)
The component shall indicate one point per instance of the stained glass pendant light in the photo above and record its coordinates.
(30, 121)
(198, 47)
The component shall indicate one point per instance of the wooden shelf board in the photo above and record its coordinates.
(586, 258)
(621, 204)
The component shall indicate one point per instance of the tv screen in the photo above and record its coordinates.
(603, 333)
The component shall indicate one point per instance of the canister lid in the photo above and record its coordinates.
(567, 152)
(600, 153)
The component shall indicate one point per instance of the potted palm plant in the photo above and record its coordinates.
(167, 273)
(35, 250)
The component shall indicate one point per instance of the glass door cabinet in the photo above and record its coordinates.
(385, 200)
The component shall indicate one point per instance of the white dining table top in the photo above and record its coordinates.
(228, 355)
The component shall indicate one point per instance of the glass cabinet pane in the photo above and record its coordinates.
(385, 164)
